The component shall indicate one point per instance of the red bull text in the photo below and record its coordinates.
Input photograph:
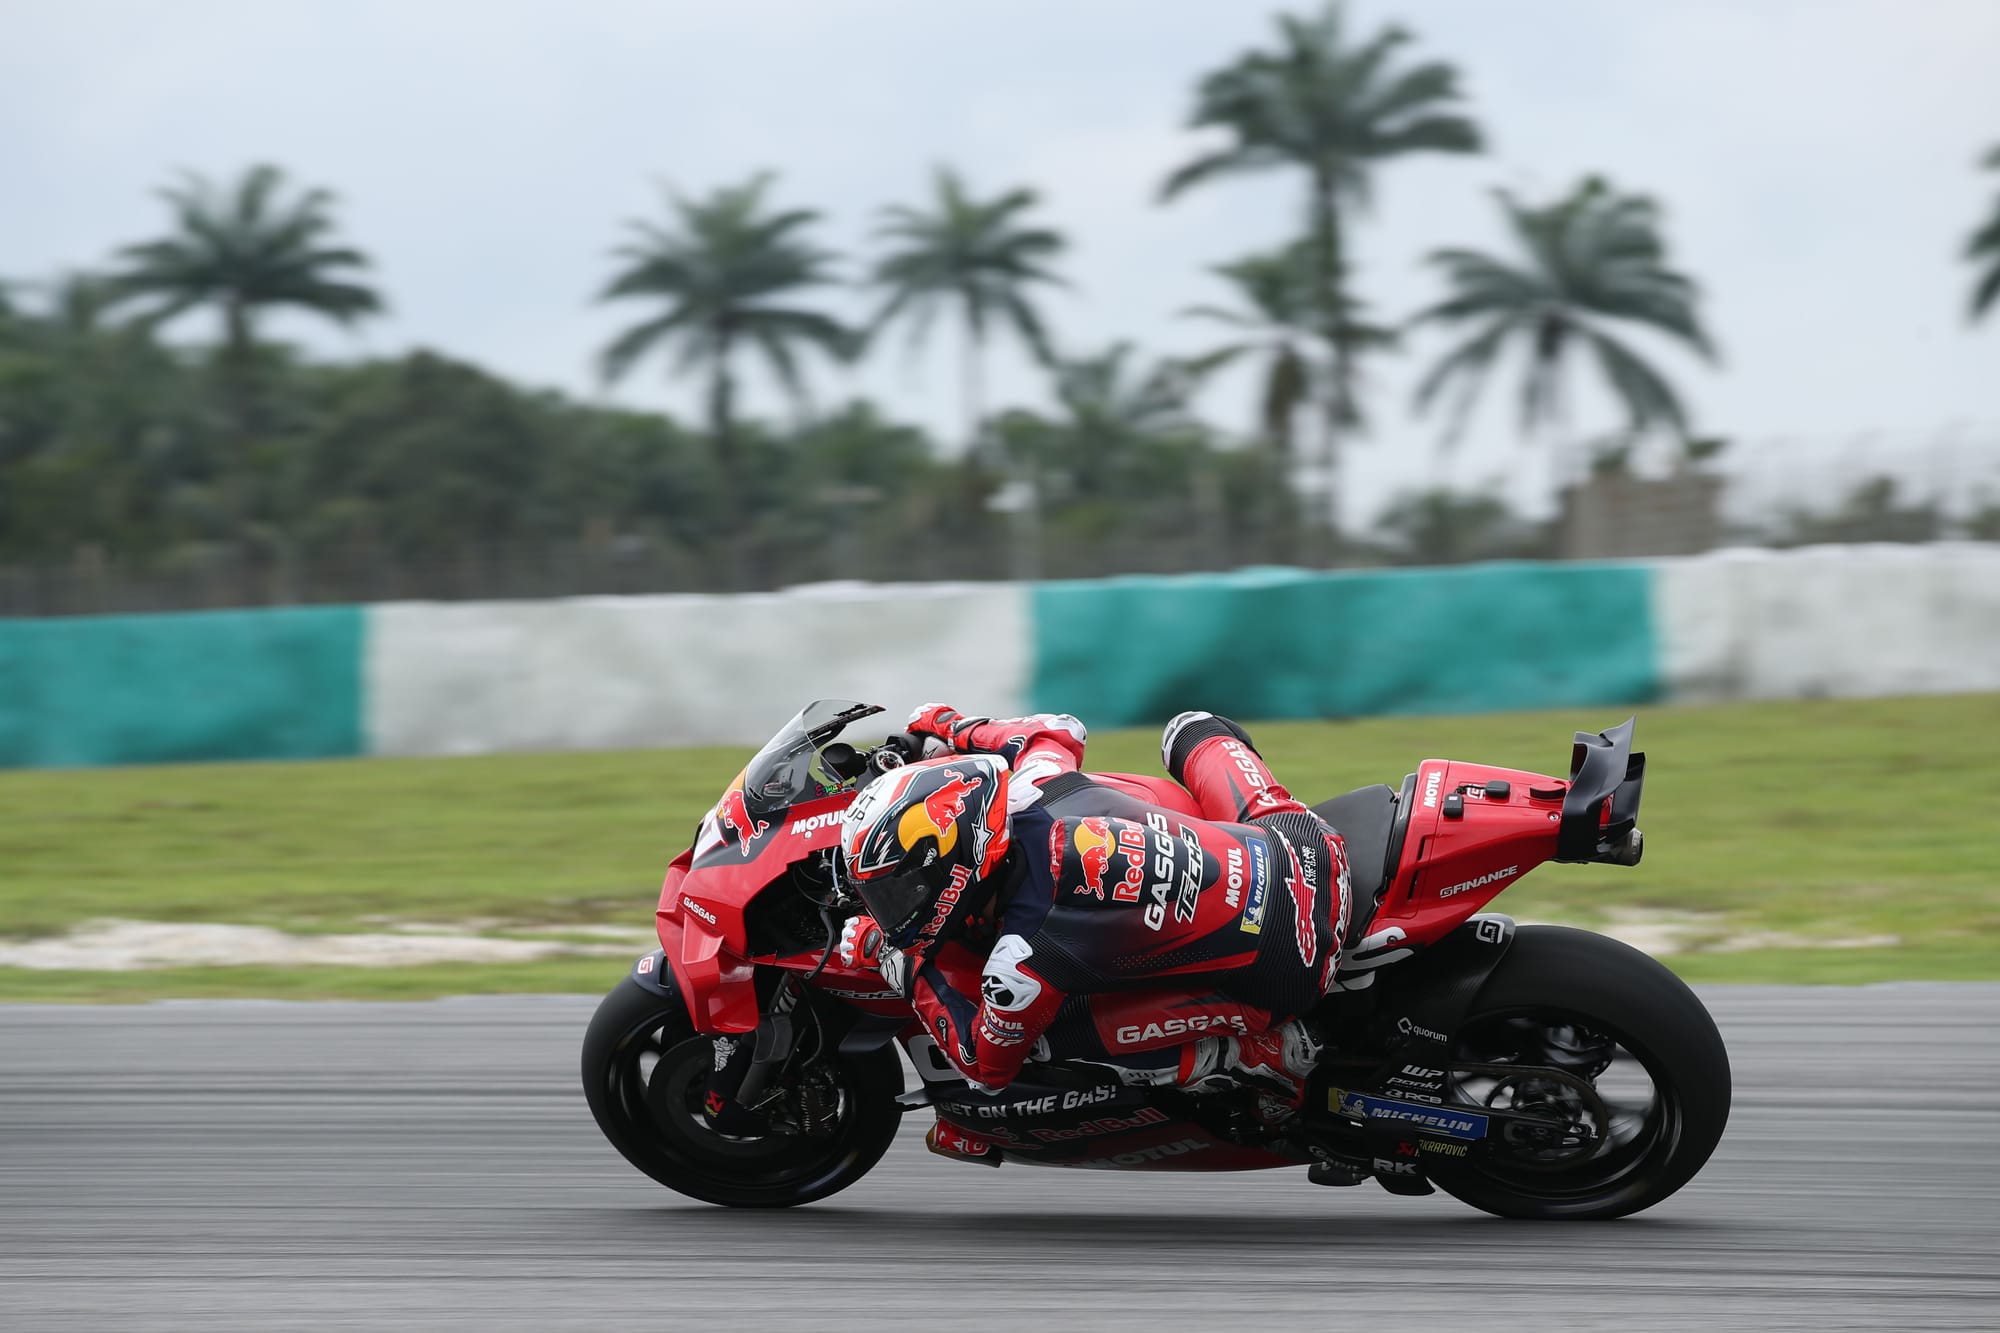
(1095, 844)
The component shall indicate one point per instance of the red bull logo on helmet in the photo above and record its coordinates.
(937, 815)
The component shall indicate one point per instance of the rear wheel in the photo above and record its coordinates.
(1639, 1070)
(645, 1069)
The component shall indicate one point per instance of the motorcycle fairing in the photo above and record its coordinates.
(1066, 1115)
(1080, 1115)
(1461, 846)
(719, 988)
(700, 919)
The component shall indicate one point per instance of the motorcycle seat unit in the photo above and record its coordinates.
(1371, 822)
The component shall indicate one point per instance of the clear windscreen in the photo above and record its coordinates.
(790, 770)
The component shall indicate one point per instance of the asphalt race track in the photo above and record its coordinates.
(267, 1166)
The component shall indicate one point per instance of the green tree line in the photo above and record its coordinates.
(119, 448)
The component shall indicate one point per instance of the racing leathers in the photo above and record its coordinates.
(1132, 934)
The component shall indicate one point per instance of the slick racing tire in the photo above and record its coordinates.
(644, 1069)
(1614, 1019)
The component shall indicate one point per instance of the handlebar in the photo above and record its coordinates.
(906, 747)
(896, 749)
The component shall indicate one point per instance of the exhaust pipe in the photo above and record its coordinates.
(1628, 854)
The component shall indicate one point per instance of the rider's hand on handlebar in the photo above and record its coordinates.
(943, 722)
(902, 747)
(862, 947)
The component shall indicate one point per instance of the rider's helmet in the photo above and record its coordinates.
(918, 840)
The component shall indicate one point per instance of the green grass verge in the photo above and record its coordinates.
(1832, 819)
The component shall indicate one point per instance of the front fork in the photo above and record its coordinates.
(758, 1085)
(777, 1038)
(739, 1093)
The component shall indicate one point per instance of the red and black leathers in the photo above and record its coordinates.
(1124, 927)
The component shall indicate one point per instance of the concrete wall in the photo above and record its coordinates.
(466, 678)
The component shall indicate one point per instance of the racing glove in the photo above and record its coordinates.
(944, 722)
(1015, 739)
(862, 947)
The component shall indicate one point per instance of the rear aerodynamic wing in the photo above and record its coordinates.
(1603, 770)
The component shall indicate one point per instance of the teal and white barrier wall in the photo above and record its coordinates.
(1829, 621)
(1294, 643)
(465, 678)
(272, 684)
(616, 672)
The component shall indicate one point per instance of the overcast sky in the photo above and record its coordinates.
(1816, 159)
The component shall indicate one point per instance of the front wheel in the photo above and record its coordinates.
(644, 1072)
(1638, 1062)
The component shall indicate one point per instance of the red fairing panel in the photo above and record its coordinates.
(706, 889)
(723, 871)
(720, 988)
(669, 912)
(1452, 867)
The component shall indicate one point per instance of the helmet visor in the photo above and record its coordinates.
(898, 904)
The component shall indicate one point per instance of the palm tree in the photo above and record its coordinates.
(1984, 249)
(1105, 398)
(1594, 260)
(1279, 323)
(1333, 110)
(1110, 410)
(1130, 471)
(243, 250)
(977, 254)
(720, 269)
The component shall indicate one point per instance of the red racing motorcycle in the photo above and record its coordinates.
(1535, 1071)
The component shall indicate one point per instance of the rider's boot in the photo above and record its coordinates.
(948, 1140)
(1275, 1062)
